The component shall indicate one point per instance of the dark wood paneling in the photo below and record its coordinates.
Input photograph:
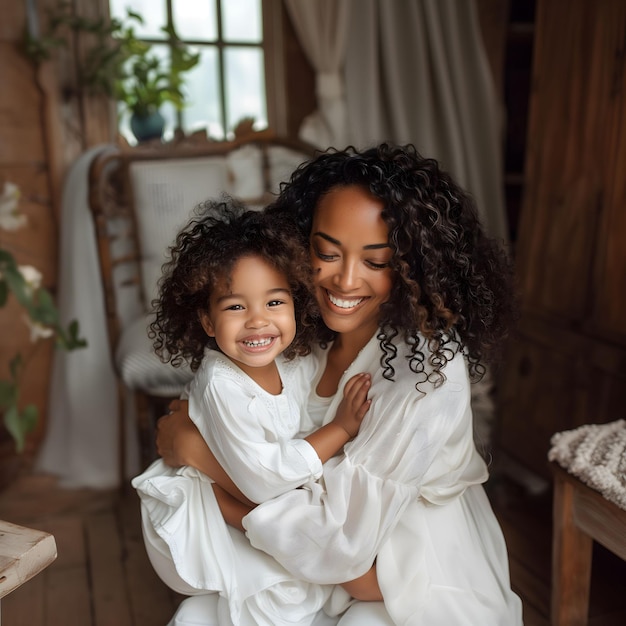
(566, 365)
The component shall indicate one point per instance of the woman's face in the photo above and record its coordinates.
(350, 255)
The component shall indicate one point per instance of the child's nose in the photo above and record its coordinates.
(256, 319)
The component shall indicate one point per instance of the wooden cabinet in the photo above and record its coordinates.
(566, 364)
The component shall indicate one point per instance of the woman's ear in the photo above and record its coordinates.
(205, 320)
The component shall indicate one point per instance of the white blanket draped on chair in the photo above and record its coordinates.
(81, 443)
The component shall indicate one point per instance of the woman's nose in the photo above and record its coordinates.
(347, 276)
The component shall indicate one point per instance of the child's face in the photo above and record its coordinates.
(350, 255)
(252, 319)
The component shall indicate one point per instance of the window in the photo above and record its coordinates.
(229, 83)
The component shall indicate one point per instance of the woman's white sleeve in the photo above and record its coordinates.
(411, 446)
(244, 435)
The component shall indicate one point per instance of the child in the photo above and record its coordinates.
(238, 283)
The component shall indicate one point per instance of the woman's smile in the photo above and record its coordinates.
(344, 303)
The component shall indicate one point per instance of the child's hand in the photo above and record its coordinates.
(354, 405)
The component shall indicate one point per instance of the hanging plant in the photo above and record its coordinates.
(117, 63)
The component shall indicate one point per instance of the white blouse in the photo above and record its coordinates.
(406, 492)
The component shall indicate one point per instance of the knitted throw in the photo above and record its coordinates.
(595, 453)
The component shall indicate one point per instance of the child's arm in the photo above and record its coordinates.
(248, 434)
(243, 444)
(233, 510)
(179, 443)
(329, 439)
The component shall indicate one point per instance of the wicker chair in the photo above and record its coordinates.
(139, 198)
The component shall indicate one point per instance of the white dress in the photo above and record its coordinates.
(407, 491)
(256, 437)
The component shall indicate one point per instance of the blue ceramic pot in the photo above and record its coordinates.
(147, 127)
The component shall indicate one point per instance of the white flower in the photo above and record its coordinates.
(10, 219)
(37, 330)
(31, 275)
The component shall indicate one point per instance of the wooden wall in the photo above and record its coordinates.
(25, 160)
(566, 364)
(44, 126)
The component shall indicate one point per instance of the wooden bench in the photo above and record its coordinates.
(581, 516)
(24, 552)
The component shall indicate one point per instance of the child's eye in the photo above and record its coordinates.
(234, 307)
(275, 302)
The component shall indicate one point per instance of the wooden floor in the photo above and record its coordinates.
(102, 576)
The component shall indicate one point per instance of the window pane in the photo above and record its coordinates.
(241, 21)
(245, 86)
(202, 87)
(154, 15)
(195, 20)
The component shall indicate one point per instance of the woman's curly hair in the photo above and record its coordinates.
(204, 255)
(453, 285)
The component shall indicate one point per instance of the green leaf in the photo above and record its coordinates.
(44, 310)
(15, 365)
(28, 419)
(20, 424)
(20, 288)
(8, 393)
(74, 340)
(14, 426)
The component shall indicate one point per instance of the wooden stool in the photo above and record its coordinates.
(580, 516)
(24, 552)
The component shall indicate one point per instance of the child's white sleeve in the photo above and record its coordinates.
(253, 438)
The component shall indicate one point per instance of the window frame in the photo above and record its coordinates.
(273, 55)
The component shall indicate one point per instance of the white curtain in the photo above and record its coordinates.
(414, 71)
(321, 26)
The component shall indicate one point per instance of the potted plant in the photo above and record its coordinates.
(121, 66)
(24, 284)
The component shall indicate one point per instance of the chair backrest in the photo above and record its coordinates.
(141, 196)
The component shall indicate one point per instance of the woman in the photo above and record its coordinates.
(412, 292)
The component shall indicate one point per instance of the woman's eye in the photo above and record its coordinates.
(378, 266)
(323, 257)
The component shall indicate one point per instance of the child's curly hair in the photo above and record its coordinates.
(453, 285)
(204, 254)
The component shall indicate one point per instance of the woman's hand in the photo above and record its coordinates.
(178, 441)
